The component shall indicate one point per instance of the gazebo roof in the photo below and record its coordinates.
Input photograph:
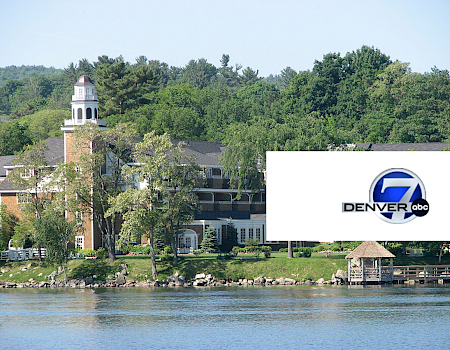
(370, 249)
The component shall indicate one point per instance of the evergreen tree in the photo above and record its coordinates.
(230, 239)
(209, 241)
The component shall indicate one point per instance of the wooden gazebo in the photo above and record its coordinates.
(364, 264)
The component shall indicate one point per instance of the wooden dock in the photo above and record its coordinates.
(422, 273)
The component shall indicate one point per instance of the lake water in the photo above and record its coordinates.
(226, 318)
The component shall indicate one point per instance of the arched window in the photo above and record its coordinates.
(80, 114)
(95, 113)
(89, 113)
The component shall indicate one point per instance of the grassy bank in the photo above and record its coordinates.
(139, 267)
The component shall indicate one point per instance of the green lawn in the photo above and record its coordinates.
(139, 267)
(243, 266)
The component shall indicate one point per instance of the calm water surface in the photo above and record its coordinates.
(225, 318)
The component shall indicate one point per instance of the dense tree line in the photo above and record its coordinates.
(13, 72)
(362, 96)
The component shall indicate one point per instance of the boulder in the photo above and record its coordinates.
(199, 283)
(320, 281)
(52, 275)
(200, 276)
(259, 280)
(343, 275)
(280, 280)
(120, 279)
(289, 281)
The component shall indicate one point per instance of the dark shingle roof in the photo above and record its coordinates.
(54, 154)
(6, 186)
(4, 160)
(84, 80)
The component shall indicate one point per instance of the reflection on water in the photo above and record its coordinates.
(244, 318)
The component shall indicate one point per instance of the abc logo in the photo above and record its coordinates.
(399, 186)
(420, 207)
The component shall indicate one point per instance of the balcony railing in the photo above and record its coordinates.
(371, 274)
(84, 98)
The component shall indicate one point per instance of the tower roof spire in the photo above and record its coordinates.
(84, 80)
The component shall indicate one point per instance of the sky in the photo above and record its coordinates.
(267, 36)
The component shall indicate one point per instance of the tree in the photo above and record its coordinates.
(8, 222)
(95, 178)
(209, 242)
(13, 138)
(290, 250)
(249, 76)
(31, 177)
(181, 202)
(230, 238)
(122, 86)
(55, 233)
(154, 201)
(199, 73)
(287, 74)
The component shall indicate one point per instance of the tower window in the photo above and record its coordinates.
(80, 114)
(95, 113)
(88, 113)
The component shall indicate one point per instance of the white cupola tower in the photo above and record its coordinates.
(84, 101)
(84, 105)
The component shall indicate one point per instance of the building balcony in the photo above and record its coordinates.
(70, 122)
(84, 98)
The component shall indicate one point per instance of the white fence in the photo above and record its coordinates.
(21, 254)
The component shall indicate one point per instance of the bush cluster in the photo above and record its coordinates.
(253, 249)
(294, 249)
(100, 253)
(395, 248)
(304, 252)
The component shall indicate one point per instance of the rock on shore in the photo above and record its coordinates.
(201, 280)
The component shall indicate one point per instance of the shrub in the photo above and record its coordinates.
(101, 253)
(283, 250)
(224, 256)
(250, 242)
(318, 248)
(166, 257)
(395, 248)
(304, 252)
(87, 253)
(168, 249)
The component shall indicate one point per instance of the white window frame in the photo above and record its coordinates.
(26, 173)
(79, 242)
(219, 235)
(23, 198)
(79, 217)
(258, 234)
(242, 235)
(250, 233)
